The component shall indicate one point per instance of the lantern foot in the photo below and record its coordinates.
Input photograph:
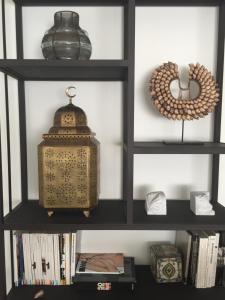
(50, 213)
(87, 213)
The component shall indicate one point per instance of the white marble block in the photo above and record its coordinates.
(200, 205)
(155, 203)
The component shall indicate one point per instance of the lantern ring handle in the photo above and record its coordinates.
(68, 92)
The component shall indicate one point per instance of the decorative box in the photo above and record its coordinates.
(166, 263)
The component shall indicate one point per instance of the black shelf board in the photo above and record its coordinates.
(179, 217)
(178, 2)
(71, 2)
(40, 69)
(145, 288)
(29, 215)
(118, 2)
(162, 148)
(110, 215)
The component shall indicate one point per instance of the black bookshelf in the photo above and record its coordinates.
(111, 214)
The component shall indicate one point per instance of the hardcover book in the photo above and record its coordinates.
(100, 263)
(102, 282)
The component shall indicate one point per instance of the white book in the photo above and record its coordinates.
(73, 255)
(15, 259)
(183, 242)
(47, 270)
(209, 267)
(201, 265)
(33, 262)
(37, 258)
(67, 258)
(29, 259)
(51, 258)
(56, 258)
(205, 261)
(214, 260)
(27, 274)
(43, 259)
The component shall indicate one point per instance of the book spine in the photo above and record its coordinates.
(209, 266)
(21, 271)
(38, 258)
(67, 258)
(47, 260)
(214, 260)
(43, 259)
(200, 276)
(188, 257)
(25, 256)
(51, 259)
(194, 257)
(73, 255)
(15, 259)
(32, 260)
(56, 257)
(62, 258)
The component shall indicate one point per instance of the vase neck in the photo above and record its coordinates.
(66, 18)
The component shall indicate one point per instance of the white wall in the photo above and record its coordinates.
(181, 35)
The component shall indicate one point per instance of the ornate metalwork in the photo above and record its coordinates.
(68, 162)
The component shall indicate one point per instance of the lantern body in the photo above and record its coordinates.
(68, 163)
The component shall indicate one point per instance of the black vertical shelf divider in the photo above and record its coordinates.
(22, 106)
(3, 292)
(128, 108)
(2, 239)
(218, 109)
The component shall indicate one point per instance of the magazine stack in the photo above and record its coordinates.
(105, 272)
(44, 258)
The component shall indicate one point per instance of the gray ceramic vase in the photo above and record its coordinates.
(66, 40)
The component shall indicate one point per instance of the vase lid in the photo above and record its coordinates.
(70, 119)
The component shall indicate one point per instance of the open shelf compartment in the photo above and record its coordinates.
(179, 217)
(145, 288)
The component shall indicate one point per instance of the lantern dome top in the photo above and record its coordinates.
(70, 119)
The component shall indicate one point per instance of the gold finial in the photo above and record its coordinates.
(68, 94)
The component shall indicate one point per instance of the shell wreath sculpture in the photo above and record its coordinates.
(181, 109)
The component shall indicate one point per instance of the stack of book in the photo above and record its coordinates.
(105, 272)
(44, 259)
(200, 251)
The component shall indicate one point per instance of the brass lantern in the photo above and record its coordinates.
(68, 162)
